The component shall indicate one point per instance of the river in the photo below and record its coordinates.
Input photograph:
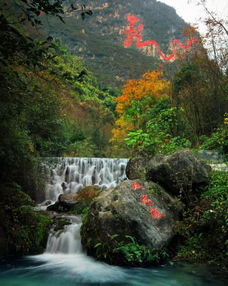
(64, 261)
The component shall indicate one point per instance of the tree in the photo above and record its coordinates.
(33, 9)
(216, 37)
(200, 88)
(137, 99)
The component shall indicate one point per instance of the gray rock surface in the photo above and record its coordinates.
(181, 172)
(120, 212)
(65, 203)
(81, 199)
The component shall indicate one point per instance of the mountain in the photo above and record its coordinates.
(99, 38)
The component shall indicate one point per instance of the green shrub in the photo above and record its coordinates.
(205, 223)
(133, 252)
(218, 141)
(25, 229)
(160, 134)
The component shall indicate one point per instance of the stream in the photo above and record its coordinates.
(64, 261)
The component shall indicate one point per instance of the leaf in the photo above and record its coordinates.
(114, 236)
(97, 245)
(131, 238)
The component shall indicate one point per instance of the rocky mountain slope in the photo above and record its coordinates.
(99, 38)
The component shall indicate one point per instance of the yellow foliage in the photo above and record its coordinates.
(122, 127)
(153, 86)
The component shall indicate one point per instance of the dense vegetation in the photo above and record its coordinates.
(51, 104)
(157, 116)
(204, 226)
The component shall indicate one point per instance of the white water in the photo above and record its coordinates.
(67, 240)
(65, 263)
(69, 175)
(70, 266)
(64, 253)
(64, 249)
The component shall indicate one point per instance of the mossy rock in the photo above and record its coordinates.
(59, 223)
(181, 173)
(119, 228)
(25, 230)
(84, 198)
(75, 203)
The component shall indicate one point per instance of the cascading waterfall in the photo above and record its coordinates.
(66, 241)
(65, 263)
(69, 175)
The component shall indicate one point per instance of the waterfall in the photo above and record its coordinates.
(69, 175)
(64, 256)
(66, 241)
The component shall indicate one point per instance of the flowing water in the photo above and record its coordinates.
(69, 175)
(65, 262)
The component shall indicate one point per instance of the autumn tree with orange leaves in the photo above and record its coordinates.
(137, 99)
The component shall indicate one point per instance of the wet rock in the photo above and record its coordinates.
(75, 202)
(65, 203)
(129, 225)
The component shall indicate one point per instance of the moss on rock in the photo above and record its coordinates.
(25, 230)
(84, 198)
(118, 227)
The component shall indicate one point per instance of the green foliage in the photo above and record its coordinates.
(136, 254)
(25, 229)
(200, 88)
(43, 101)
(133, 252)
(204, 226)
(218, 141)
(160, 135)
(87, 101)
(50, 105)
(218, 186)
(192, 250)
(186, 76)
(123, 250)
(217, 194)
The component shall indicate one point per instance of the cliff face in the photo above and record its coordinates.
(99, 38)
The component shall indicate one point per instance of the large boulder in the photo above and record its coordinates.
(131, 224)
(65, 203)
(137, 167)
(179, 173)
